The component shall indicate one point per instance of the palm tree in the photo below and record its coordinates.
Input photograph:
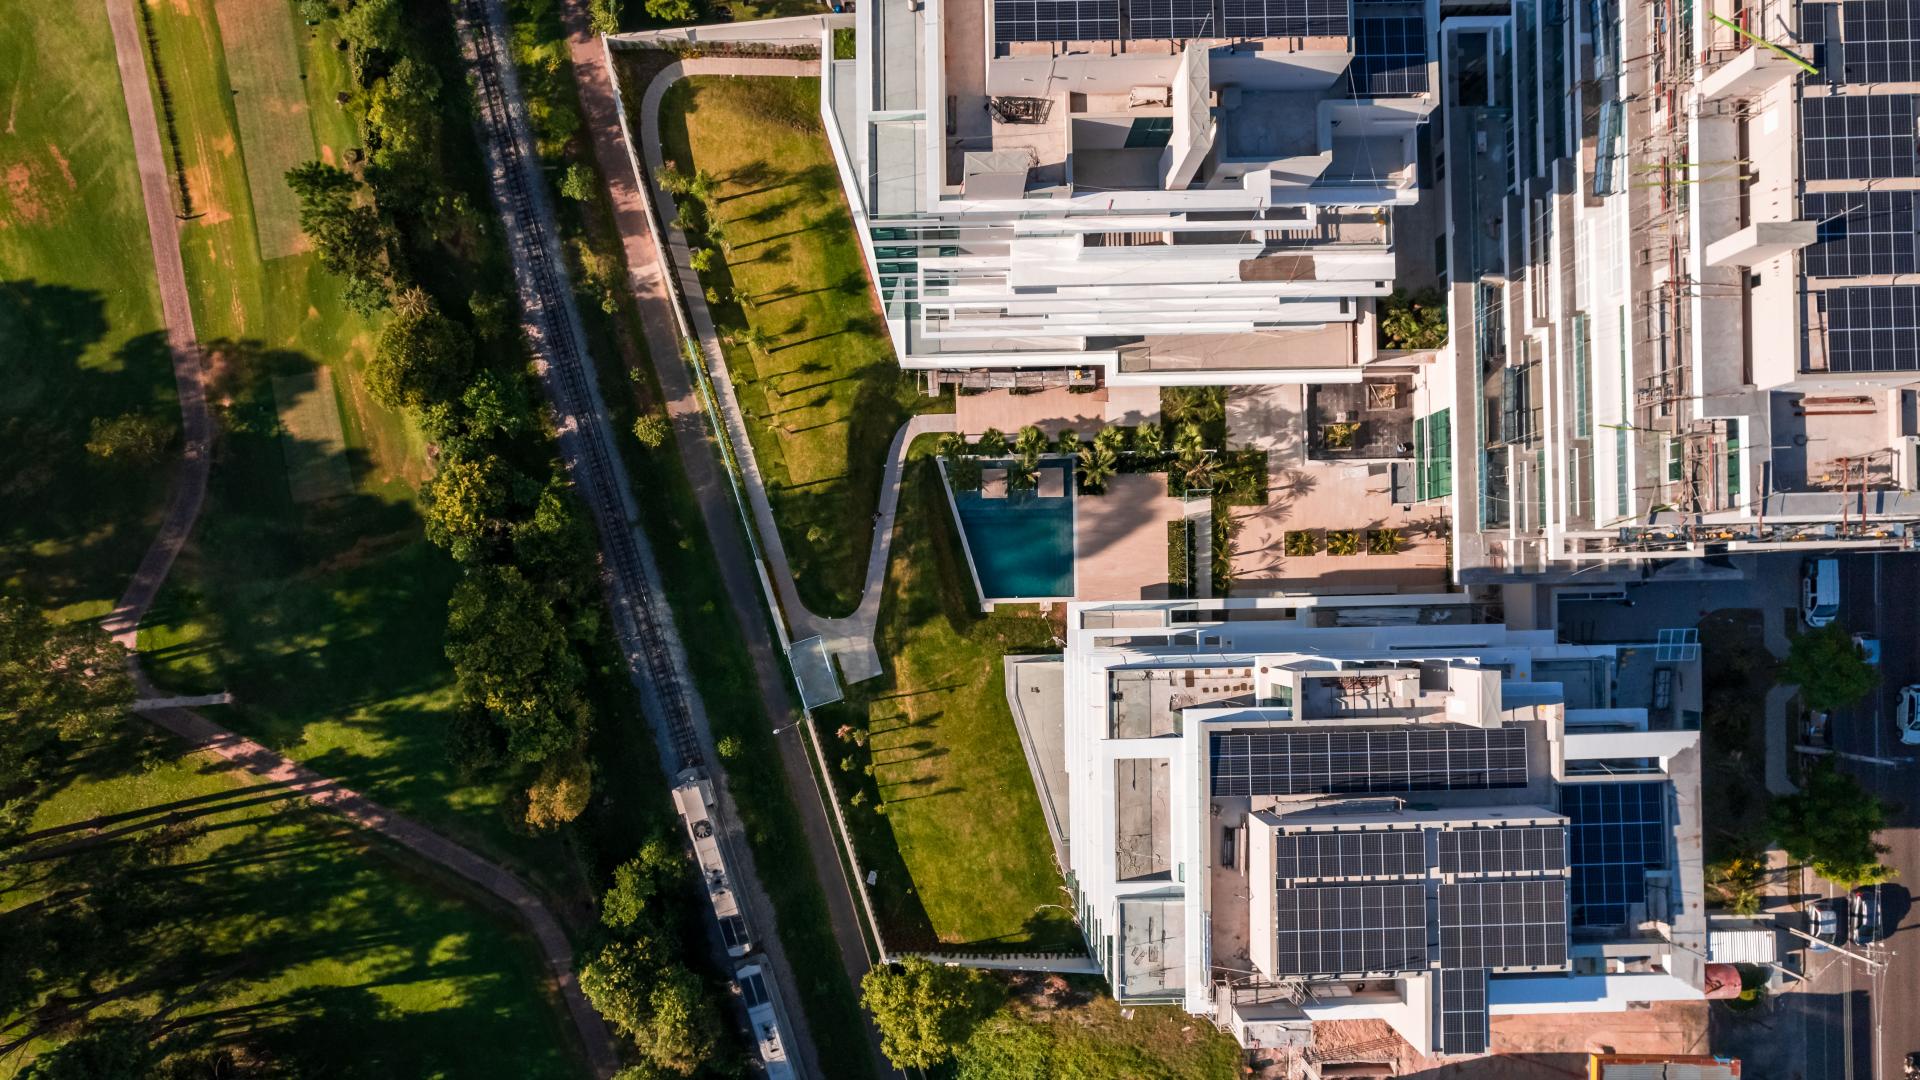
(992, 443)
(702, 186)
(671, 179)
(1189, 441)
(1196, 461)
(1147, 439)
(1199, 404)
(1113, 437)
(1069, 442)
(753, 338)
(1098, 463)
(953, 446)
(1030, 444)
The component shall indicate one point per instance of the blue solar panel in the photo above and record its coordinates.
(1616, 832)
(1389, 56)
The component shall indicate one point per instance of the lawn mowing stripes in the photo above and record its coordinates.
(270, 112)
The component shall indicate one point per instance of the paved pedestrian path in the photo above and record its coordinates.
(188, 495)
(850, 638)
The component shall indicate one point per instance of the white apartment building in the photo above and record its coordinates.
(1132, 191)
(1281, 812)
(1682, 257)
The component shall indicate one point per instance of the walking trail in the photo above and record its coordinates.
(710, 484)
(850, 638)
(184, 501)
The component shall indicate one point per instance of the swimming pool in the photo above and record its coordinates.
(1022, 545)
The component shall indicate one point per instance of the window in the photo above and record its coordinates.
(1149, 132)
(1733, 457)
(1433, 455)
(1582, 397)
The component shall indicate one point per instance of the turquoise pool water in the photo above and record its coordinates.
(1022, 545)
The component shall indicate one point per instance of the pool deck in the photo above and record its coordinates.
(1120, 539)
(1056, 410)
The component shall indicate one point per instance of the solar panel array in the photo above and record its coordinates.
(1504, 924)
(1055, 20)
(1519, 849)
(1285, 18)
(1872, 327)
(1171, 19)
(1880, 41)
(1616, 833)
(1389, 56)
(1436, 757)
(1349, 929)
(1376, 853)
(1463, 1011)
(1859, 137)
(1860, 233)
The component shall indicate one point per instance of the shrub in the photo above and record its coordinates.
(1829, 669)
(1340, 434)
(1179, 557)
(1343, 542)
(130, 438)
(604, 15)
(578, 183)
(652, 430)
(1386, 542)
(1302, 542)
(1414, 320)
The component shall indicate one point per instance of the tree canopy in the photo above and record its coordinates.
(1828, 668)
(421, 358)
(512, 657)
(60, 685)
(1830, 824)
(924, 1010)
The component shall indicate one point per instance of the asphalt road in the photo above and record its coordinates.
(1879, 595)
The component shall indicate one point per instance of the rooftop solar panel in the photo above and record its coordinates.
(1859, 137)
(1435, 757)
(1055, 20)
(1350, 929)
(1520, 849)
(1463, 1011)
(1375, 853)
(1860, 233)
(1171, 19)
(1880, 41)
(1389, 56)
(1285, 18)
(1616, 833)
(1503, 924)
(1872, 327)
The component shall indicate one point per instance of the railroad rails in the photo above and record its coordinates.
(556, 345)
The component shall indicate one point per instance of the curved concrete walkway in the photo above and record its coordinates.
(187, 496)
(849, 638)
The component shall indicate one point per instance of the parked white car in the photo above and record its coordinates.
(1906, 715)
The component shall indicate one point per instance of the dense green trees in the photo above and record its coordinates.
(421, 359)
(511, 652)
(924, 1010)
(60, 686)
(634, 981)
(134, 438)
(1828, 668)
(1830, 824)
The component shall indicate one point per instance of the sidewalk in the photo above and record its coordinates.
(850, 638)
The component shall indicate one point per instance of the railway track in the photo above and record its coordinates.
(567, 382)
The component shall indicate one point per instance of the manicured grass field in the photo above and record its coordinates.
(306, 938)
(80, 331)
(325, 619)
(825, 397)
(961, 849)
(270, 110)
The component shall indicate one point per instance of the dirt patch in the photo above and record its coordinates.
(23, 205)
(224, 146)
(364, 550)
(206, 210)
(326, 155)
(60, 160)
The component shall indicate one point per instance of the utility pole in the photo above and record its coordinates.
(1872, 964)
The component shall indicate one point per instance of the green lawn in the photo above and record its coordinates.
(303, 941)
(80, 330)
(961, 850)
(324, 619)
(824, 399)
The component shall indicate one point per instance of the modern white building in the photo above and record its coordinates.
(1681, 259)
(1133, 191)
(1282, 812)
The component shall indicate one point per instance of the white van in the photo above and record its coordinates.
(1820, 591)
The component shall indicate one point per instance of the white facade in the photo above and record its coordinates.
(1148, 210)
(1175, 880)
(1654, 360)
